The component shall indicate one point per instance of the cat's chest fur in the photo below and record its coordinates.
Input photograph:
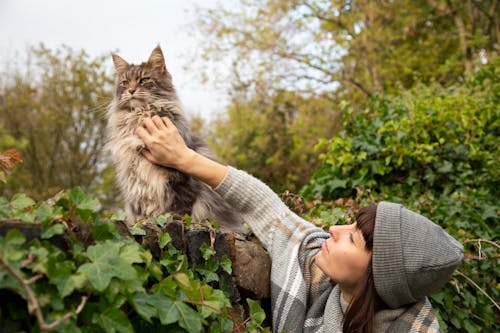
(146, 187)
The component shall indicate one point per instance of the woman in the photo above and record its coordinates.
(370, 276)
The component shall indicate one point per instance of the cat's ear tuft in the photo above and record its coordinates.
(157, 61)
(120, 64)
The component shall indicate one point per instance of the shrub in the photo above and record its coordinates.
(435, 150)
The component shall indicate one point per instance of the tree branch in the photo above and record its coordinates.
(478, 287)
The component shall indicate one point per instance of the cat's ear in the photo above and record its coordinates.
(157, 61)
(120, 64)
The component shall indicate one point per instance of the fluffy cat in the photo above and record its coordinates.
(143, 91)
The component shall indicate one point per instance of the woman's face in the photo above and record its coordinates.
(343, 256)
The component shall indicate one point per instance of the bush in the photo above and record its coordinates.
(435, 150)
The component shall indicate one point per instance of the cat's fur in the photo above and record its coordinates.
(143, 91)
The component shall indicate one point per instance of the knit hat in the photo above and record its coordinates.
(412, 256)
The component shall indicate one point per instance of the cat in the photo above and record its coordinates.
(143, 91)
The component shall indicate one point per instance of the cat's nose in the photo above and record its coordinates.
(131, 91)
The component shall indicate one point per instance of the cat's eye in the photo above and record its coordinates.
(144, 80)
(124, 83)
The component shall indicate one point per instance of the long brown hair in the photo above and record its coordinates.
(360, 314)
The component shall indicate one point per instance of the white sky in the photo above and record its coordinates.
(131, 27)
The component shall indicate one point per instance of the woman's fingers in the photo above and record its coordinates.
(158, 122)
(143, 134)
(167, 121)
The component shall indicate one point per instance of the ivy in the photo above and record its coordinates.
(113, 285)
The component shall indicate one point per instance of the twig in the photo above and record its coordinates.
(34, 278)
(33, 305)
(479, 240)
(478, 287)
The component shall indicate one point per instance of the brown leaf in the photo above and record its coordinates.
(9, 158)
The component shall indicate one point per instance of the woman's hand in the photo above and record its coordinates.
(164, 144)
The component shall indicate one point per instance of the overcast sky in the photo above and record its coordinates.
(131, 27)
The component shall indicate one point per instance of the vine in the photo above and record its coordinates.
(112, 285)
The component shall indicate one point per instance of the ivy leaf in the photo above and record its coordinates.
(67, 284)
(256, 313)
(207, 251)
(168, 310)
(82, 200)
(113, 320)
(55, 229)
(337, 183)
(103, 230)
(226, 264)
(163, 239)
(15, 237)
(137, 231)
(44, 213)
(131, 253)
(106, 264)
(21, 201)
(145, 305)
(177, 311)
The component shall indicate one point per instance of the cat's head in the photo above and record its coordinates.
(138, 85)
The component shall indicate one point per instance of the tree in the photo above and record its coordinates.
(55, 106)
(354, 47)
(334, 52)
(273, 136)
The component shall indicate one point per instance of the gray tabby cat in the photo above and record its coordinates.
(143, 91)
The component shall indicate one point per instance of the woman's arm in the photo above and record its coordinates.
(256, 203)
(166, 147)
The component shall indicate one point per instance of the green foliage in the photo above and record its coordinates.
(52, 111)
(435, 150)
(355, 48)
(293, 62)
(114, 285)
(273, 136)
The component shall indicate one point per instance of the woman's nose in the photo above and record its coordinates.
(333, 231)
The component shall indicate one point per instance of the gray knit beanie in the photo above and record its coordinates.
(412, 256)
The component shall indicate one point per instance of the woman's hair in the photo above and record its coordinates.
(360, 314)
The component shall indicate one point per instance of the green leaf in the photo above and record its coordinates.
(106, 264)
(103, 230)
(44, 213)
(50, 231)
(256, 313)
(226, 264)
(21, 201)
(113, 320)
(207, 251)
(146, 305)
(178, 311)
(132, 252)
(82, 200)
(67, 284)
(137, 231)
(163, 239)
(337, 183)
(15, 237)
